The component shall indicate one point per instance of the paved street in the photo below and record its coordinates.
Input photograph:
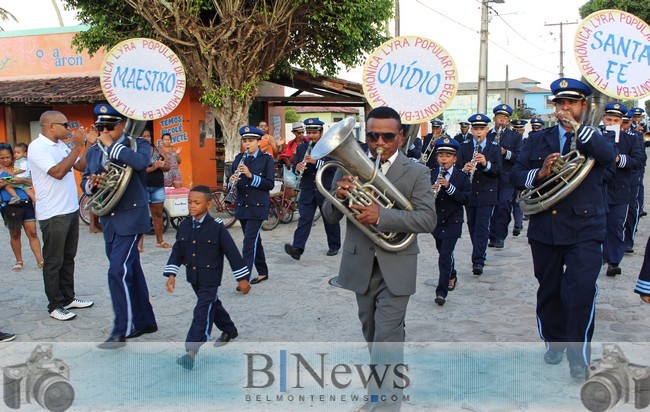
(297, 308)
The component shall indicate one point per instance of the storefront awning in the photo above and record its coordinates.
(325, 91)
(65, 90)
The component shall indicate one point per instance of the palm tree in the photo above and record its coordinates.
(5, 15)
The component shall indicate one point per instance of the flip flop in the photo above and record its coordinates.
(164, 245)
(259, 279)
(18, 266)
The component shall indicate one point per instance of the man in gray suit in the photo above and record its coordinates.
(384, 281)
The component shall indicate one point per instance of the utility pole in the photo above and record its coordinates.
(561, 24)
(507, 87)
(397, 30)
(483, 57)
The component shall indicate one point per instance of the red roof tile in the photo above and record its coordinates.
(56, 90)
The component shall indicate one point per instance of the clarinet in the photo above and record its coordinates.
(471, 172)
(231, 193)
(300, 173)
(497, 138)
(441, 172)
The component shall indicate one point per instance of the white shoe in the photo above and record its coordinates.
(78, 304)
(62, 314)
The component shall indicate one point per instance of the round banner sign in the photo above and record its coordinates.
(612, 49)
(142, 79)
(413, 75)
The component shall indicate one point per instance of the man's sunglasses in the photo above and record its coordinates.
(108, 126)
(66, 124)
(388, 137)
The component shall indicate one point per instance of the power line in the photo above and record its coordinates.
(447, 17)
(518, 34)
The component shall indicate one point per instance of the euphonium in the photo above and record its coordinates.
(339, 144)
(567, 173)
(117, 176)
(231, 193)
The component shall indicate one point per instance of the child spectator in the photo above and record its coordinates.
(21, 169)
(201, 243)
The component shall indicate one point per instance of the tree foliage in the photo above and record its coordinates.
(6, 15)
(523, 111)
(640, 9)
(229, 46)
(290, 115)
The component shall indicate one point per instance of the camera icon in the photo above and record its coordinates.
(613, 379)
(42, 379)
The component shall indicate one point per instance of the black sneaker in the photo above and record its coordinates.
(6, 337)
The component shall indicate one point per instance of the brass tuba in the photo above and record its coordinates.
(567, 173)
(339, 143)
(117, 176)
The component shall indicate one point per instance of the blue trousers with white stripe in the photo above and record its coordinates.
(614, 246)
(128, 286)
(566, 297)
(478, 222)
(252, 250)
(643, 283)
(208, 311)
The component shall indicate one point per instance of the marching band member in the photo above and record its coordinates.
(414, 151)
(453, 189)
(310, 198)
(632, 220)
(429, 140)
(637, 119)
(630, 157)
(536, 124)
(384, 281)
(201, 244)
(566, 239)
(518, 126)
(253, 174)
(123, 226)
(482, 161)
(464, 134)
(510, 145)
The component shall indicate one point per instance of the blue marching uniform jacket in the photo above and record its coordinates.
(130, 216)
(581, 215)
(450, 202)
(202, 250)
(512, 142)
(631, 152)
(485, 182)
(253, 199)
(308, 190)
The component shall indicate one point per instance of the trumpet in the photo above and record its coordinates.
(231, 193)
(441, 173)
(299, 173)
(427, 153)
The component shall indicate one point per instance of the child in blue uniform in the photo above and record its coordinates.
(453, 191)
(201, 243)
(252, 172)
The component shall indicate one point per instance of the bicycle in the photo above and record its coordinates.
(84, 214)
(284, 205)
(220, 209)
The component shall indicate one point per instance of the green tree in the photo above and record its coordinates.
(640, 9)
(5, 15)
(290, 115)
(229, 46)
(523, 111)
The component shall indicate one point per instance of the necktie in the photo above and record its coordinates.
(196, 224)
(567, 143)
